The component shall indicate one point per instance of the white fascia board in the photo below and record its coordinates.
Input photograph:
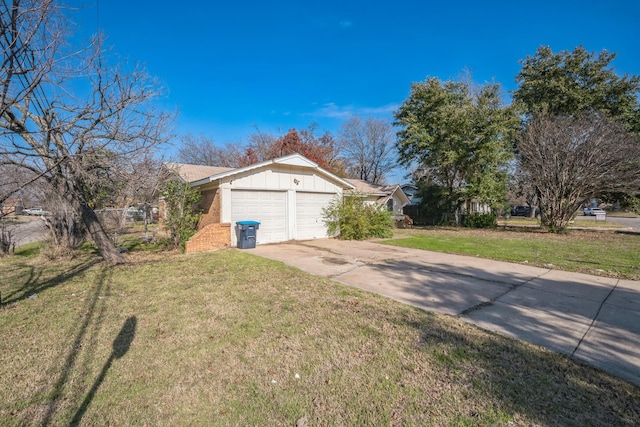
(290, 160)
(403, 196)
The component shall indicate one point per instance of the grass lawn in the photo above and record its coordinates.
(580, 221)
(228, 338)
(593, 252)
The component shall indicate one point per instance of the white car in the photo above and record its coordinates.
(35, 211)
(594, 211)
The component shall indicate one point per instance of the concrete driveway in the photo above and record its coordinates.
(589, 318)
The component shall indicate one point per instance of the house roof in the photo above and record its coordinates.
(383, 192)
(190, 173)
(372, 189)
(201, 175)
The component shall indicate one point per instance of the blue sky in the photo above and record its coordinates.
(232, 67)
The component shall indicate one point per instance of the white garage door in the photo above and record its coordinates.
(309, 216)
(268, 207)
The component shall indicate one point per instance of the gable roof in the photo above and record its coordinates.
(383, 192)
(190, 173)
(199, 175)
(370, 188)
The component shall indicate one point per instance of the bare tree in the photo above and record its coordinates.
(141, 182)
(28, 36)
(261, 145)
(369, 148)
(521, 188)
(571, 159)
(66, 233)
(67, 117)
(202, 150)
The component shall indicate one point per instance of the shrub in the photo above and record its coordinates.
(481, 220)
(182, 217)
(354, 219)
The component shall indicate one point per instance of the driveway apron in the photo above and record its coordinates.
(590, 318)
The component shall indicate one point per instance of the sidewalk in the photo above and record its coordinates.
(589, 318)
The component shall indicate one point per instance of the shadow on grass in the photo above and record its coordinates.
(34, 285)
(120, 347)
(628, 232)
(93, 315)
(516, 378)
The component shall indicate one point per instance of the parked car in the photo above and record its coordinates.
(35, 211)
(594, 211)
(521, 211)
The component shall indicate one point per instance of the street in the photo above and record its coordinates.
(633, 223)
(27, 230)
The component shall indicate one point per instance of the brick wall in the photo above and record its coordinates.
(211, 237)
(210, 206)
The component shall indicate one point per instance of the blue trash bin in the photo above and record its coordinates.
(246, 231)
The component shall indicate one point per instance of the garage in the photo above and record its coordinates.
(309, 215)
(286, 195)
(268, 207)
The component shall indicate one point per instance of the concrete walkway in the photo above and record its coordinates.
(590, 318)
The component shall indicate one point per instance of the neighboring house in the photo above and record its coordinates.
(412, 193)
(390, 196)
(11, 207)
(422, 214)
(474, 206)
(286, 195)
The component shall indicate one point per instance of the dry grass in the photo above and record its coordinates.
(221, 339)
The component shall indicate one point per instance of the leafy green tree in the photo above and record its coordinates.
(631, 202)
(568, 83)
(459, 137)
(180, 205)
(433, 206)
(354, 219)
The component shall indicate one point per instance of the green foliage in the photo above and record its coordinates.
(627, 202)
(354, 219)
(182, 218)
(460, 136)
(434, 206)
(568, 83)
(617, 254)
(481, 220)
(29, 250)
(632, 203)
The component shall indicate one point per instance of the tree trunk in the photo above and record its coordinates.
(68, 186)
(105, 245)
(76, 200)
